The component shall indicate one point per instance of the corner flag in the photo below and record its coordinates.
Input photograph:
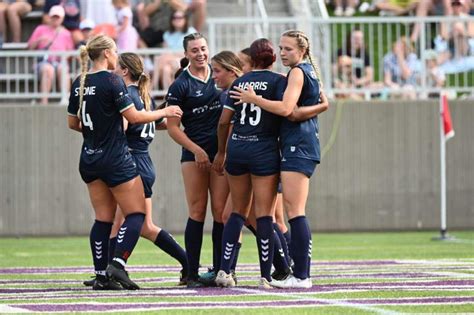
(446, 117)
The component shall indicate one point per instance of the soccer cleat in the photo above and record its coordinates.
(234, 276)
(292, 283)
(265, 284)
(281, 275)
(106, 284)
(90, 283)
(121, 276)
(183, 280)
(208, 278)
(224, 279)
(194, 283)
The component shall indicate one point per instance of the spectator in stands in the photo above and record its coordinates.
(99, 11)
(396, 7)
(51, 37)
(86, 26)
(198, 10)
(349, 10)
(72, 18)
(344, 78)
(167, 64)
(436, 77)
(355, 48)
(432, 7)
(127, 35)
(401, 69)
(155, 19)
(11, 13)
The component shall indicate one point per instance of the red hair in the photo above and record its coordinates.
(262, 54)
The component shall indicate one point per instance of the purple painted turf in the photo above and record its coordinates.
(107, 307)
(84, 307)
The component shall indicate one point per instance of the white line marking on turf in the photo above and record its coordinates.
(329, 302)
(9, 309)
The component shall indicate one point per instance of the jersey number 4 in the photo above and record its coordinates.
(253, 109)
(86, 118)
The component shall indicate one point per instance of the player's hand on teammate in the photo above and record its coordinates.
(218, 164)
(244, 96)
(202, 159)
(173, 111)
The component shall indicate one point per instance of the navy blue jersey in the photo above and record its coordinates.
(301, 139)
(199, 101)
(105, 98)
(139, 136)
(255, 129)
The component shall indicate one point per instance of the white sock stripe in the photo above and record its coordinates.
(120, 261)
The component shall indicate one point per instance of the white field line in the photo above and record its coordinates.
(377, 310)
(9, 309)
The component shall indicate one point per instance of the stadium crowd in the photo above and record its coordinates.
(136, 24)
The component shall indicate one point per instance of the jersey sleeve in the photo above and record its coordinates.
(228, 102)
(73, 105)
(176, 93)
(120, 94)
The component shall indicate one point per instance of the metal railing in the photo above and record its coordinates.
(19, 77)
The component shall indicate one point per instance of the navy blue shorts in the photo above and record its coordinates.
(299, 165)
(210, 148)
(257, 168)
(121, 173)
(146, 170)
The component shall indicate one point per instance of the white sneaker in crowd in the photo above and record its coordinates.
(224, 279)
(292, 283)
(349, 11)
(338, 11)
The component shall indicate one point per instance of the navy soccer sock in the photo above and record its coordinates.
(230, 239)
(193, 244)
(127, 238)
(217, 230)
(168, 244)
(283, 245)
(251, 229)
(112, 244)
(279, 259)
(236, 256)
(265, 244)
(300, 242)
(99, 242)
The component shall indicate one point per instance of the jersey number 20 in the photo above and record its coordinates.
(252, 108)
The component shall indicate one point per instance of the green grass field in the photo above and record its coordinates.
(352, 273)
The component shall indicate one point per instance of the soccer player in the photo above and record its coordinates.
(139, 136)
(194, 91)
(252, 161)
(97, 102)
(299, 145)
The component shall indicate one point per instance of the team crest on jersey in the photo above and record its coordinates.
(199, 93)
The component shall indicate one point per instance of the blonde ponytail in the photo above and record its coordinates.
(84, 56)
(143, 90)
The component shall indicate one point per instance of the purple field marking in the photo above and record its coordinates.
(84, 307)
(316, 288)
(168, 268)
